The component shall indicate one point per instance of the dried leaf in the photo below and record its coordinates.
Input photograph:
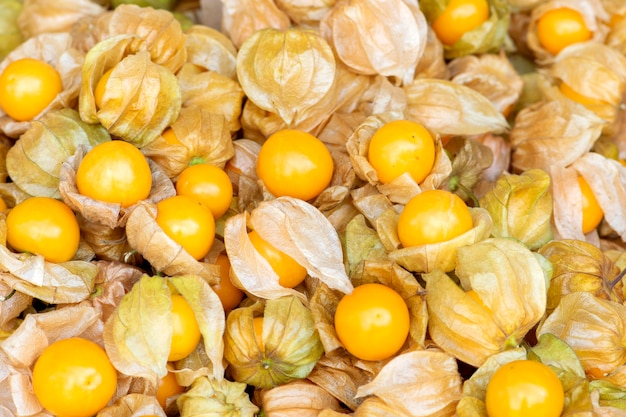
(210, 398)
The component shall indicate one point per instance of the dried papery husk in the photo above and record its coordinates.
(40, 16)
(209, 397)
(211, 50)
(141, 98)
(204, 138)
(158, 31)
(492, 75)
(470, 159)
(552, 133)
(593, 13)
(418, 383)
(450, 109)
(401, 189)
(291, 343)
(341, 182)
(594, 328)
(269, 78)
(241, 170)
(372, 38)
(616, 37)
(102, 213)
(510, 281)
(55, 49)
(164, 254)
(109, 244)
(34, 162)
(306, 12)
(442, 255)
(580, 266)
(524, 5)
(213, 92)
(12, 306)
(501, 150)
(133, 405)
(299, 398)
(432, 64)
(242, 18)
(361, 246)
(521, 207)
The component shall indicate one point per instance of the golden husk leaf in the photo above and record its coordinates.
(420, 383)
(214, 398)
(34, 161)
(55, 49)
(212, 50)
(433, 63)
(580, 266)
(552, 133)
(268, 75)
(616, 38)
(511, 283)
(241, 169)
(133, 405)
(306, 12)
(242, 18)
(299, 398)
(374, 38)
(204, 138)
(447, 108)
(40, 16)
(12, 306)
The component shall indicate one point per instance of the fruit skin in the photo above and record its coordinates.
(561, 27)
(290, 273)
(294, 163)
(433, 216)
(209, 185)
(459, 17)
(592, 212)
(168, 387)
(114, 172)
(44, 226)
(524, 388)
(185, 329)
(372, 322)
(229, 295)
(74, 378)
(401, 146)
(27, 87)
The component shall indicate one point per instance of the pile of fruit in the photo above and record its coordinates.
(325, 208)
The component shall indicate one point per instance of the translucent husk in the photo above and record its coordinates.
(10, 34)
(132, 405)
(291, 343)
(204, 138)
(55, 49)
(242, 18)
(511, 282)
(489, 37)
(306, 12)
(212, 50)
(580, 266)
(241, 169)
(492, 75)
(501, 151)
(521, 207)
(432, 64)
(552, 133)
(210, 398)
(371, 38)
(299, 398)
(141, 97)
(592, 12)
(34, 161)
(269, 78)
(40, 16)
(12, 306)
(450, 109)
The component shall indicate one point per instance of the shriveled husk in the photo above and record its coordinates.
(580, 266)
(134, 404)
(204, 138)
(606, 178)
(490, 36)
(299, 398)
(10, 34)
(403, 188)
(520, 207)
(291, 343)
(511, 283)
(450, 109)
(40, 16)
(141, 97)
(553, 133)
(296, 227)
(34, 161)
(306, 12)
(419, 383)
(594, 328)
(137, 335)
(208, 397)
(593, 13)
(372, 38)
(212, 50)
(492, 75)
(269, 78)
(55, 49)
(242, 18)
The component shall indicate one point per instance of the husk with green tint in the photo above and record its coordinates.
(10, 34)
(272, 81)
(521, 207)
(470, 159)
(372, 38)
(208, 397)
(34, 161)
(511, 283)
(141, 97)
(291, 343)
(490, 36)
